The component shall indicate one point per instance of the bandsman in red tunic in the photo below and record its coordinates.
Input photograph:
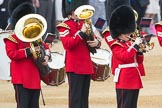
(25, 74)
(78, 63)
(127, 61)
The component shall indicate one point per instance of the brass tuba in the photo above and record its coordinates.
(85, 12)
(31, 28)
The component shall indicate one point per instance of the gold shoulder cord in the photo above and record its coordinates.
(116, 43)
(63, 25)
(12, 39)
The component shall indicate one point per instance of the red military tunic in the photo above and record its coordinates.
(23, 70)
(130, 77)
(158, 27)
(77, 54)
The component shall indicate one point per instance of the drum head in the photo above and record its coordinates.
(102, 57)
(57, 61)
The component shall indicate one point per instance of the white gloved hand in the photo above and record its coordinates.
(138, 40)
(84, 27)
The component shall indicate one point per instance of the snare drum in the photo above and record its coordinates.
(101, 63)
(57, 74)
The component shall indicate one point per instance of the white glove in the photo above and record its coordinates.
(138, 40)
(84, 28)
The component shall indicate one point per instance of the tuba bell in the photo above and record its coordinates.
(85, 12)
(31, 28)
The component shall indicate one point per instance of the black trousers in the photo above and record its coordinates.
(26, 98)
(127, 98)
(78, 90)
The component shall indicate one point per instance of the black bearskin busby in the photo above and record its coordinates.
(110, 5)
(122, 21)
(19, 8)
(70, 5)
(12, 4)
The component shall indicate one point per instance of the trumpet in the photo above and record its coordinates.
(85, 12)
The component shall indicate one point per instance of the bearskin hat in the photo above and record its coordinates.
(122, 21)
(12, 4)
(110, 5)
(70, 5)
(18, 10)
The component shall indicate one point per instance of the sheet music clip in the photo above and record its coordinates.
(100, 23)
(49, 38)
(145, 22)
(147, 37)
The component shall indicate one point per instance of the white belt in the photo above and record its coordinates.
(127, 65)
(117, 70)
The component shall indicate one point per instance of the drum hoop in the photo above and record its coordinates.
(59, 53)
(94, 59)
